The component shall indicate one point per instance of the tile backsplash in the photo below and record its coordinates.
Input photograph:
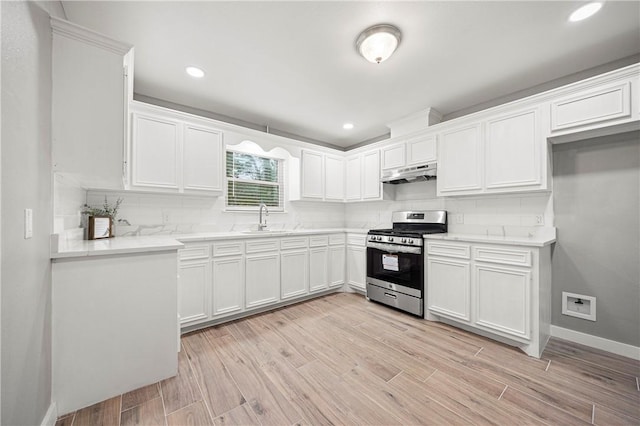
(489, 214)
(149, 214)
(166, 214)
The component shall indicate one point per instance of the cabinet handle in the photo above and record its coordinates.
(392, 296)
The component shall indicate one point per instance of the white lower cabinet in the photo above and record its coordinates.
(294, 273)
(318, 268)
(262, 279)
(503, 299)
(228, 285)
(193, 292)
(194, 284)
(449, 292)
(337, 263)
(357, 261)
(230, 278)
(318, 263)
(497, 290)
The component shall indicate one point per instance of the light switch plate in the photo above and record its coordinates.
(28, 223)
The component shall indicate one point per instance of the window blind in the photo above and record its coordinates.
(253, 179)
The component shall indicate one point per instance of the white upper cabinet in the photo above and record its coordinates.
(92, 83)
(312, 175)
(503, 153)
(592, 107)
(202, 154)
(393, 156)
(371, 186)
(334, 178)
(513, 144)
(460, 160)
(416, 150)
(322, 176)
(422, 150)
(353, 184)
(172, 152)
(155, 152)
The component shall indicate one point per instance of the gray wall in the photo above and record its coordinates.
(26, 183)
(596, 191)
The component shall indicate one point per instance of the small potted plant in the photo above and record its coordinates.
(100, 221)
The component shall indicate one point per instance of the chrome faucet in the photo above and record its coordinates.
(262, 225)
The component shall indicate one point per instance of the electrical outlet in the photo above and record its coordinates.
(165, 217)
(459, 218)
(539, 219)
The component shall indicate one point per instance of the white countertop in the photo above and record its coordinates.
(211, 236)
(538, 240)
(117, 245)
(70, 248)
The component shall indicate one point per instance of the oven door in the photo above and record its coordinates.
(400, 268)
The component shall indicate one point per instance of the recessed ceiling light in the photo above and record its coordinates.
(585, 11)
(347, 126)
(195, 72)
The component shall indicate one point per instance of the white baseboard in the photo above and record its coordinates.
(596, 342)
(51, 416)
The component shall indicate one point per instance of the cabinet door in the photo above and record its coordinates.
(512, 151)
(294, 273)
(503, 299)
(333, 178)
(421, 150)
(460, 160)
(312, 175)
(353, 172)
(448, 288)
(393, 156)
(318, 268)
(336, 265)
(193, 291)
(202, 163)
(371, 176)
(228, 285)
(262, 284)
(357, 267)
(591, 107)
(89, 104)
(155, 152)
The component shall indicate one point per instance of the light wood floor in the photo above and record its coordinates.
(342, 360)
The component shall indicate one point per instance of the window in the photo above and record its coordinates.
(253, 179)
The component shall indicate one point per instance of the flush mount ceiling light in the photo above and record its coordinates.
(347, 126)
(195, 72)
(378, 43)
(585, 11)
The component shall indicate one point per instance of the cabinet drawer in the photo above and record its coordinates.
(319, 241)
(357, 239)
(336, 239)
(502, 255)
(228, 248)
(257, 246)
(592, 106)
(462, 251)
(195, 251)
(293, 243)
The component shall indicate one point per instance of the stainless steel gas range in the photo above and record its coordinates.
(395, 259)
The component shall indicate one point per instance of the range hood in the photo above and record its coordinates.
(409, 174)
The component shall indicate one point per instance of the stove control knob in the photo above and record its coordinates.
(390, 239)
(378, 238)
(409, 240)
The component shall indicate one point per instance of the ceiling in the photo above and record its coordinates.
(293, 66)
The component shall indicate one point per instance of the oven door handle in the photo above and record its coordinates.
(394, 248)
